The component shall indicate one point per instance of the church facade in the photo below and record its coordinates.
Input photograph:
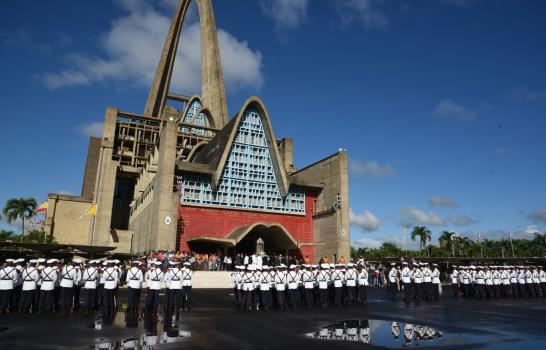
(184, 176)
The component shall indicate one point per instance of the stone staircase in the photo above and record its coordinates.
(211, 279)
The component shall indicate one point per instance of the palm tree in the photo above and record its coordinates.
(446, 240)
(19, 208)
(424, 236)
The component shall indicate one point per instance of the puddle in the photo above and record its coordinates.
(156, 330)
(145, 341)
(392, 334)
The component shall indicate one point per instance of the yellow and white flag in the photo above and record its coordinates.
(91, 211)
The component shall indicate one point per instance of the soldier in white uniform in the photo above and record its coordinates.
(8, 277)
(427, 281)
(235, 277)
(174, 278)
(293, 280)
(392, 276)
(362, 283)
(505, 278)
(435, 282)
(337, 279)
(248, 287)
(30, 276)
(90, 277)
(542, 279)
(69, 277)
(154, 277)
(308, 280)
(18, 285)
(417, 277)
(110, 277)
(351, 276)
(454, 276)
(48, 276)
(263, 284)
(134, 279)
(187, 278)
(480, 283)
(323, 277)
(280, 285)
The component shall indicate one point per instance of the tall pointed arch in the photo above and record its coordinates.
(212, 80)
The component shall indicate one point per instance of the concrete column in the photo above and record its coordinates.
(164, 209)
(287, 153)
(105, 184)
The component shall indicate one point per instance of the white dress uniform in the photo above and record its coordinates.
(8, 278)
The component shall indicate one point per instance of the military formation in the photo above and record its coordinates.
(419, 281)
(46, 286)
(495, 282)
(298, 286)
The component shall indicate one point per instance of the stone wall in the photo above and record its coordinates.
(331, 221)
(64, 221)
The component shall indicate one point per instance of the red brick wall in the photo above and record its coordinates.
(219, 222)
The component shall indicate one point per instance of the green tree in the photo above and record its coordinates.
(424, 235)
(6, 235)
(38, 236)
(19, 208)
(446, 240)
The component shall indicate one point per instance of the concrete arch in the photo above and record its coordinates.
(275, 233)
(198, 147)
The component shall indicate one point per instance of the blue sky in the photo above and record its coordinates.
(441, 104)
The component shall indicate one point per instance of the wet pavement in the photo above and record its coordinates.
(213, 323)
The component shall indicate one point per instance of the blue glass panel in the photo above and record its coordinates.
(248, 179)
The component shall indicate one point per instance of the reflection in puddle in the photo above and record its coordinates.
(391, 334)
(157, 331)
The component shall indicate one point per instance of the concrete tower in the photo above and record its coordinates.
(212, 80)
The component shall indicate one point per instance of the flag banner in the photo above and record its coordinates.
(91, 211)
(510, 236)
(479, 237)
(41, 208)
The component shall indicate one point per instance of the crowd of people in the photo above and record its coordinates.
(45, 286)
(295, 286)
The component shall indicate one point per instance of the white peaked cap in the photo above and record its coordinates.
(186, 264)
(292, 266)
(9, 260)
(157, 262)
(77, 261)
(325, 266)
(41, 260)
(32, 261)
(51, 261)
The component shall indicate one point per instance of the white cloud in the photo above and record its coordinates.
(366, 243)
(538, 215)
(449, 109)
(462, 220)
(366, 221)
(93, 129)
(528, 94)
(441, 202)
(133, 45)
(371, 169)
(532, 229)
(363, 11)
(410, 216)
(287, 14)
